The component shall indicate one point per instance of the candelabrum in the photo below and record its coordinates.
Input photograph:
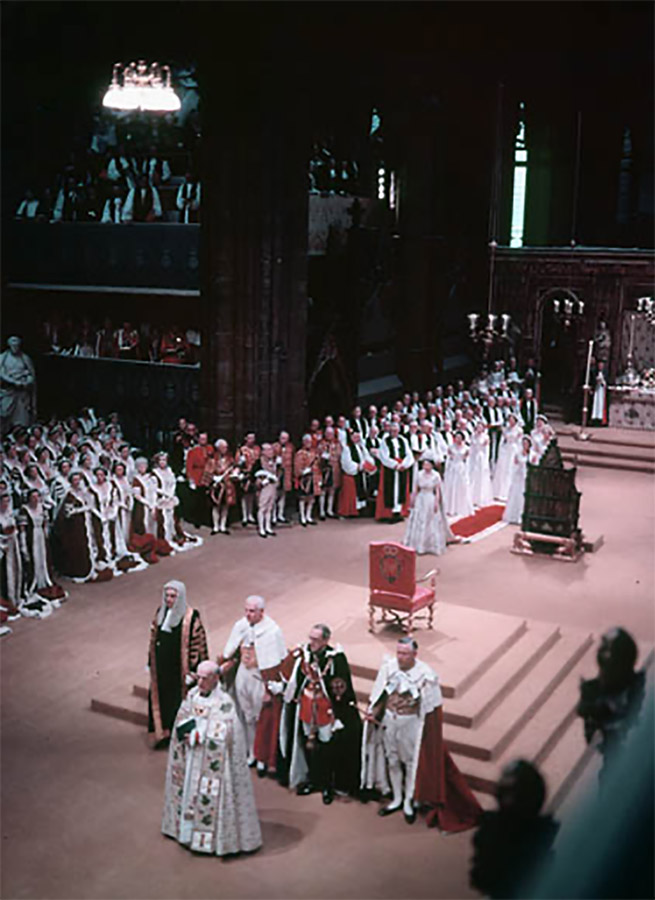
(630, 376)
(144, 87)
(488, 330)
(566, 310)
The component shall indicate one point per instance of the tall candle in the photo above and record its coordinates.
(586, 378)
(632, 335)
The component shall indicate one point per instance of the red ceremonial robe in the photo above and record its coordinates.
(439, 783)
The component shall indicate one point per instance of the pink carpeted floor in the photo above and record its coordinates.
(81, 793)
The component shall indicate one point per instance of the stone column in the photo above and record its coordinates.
(254, 252)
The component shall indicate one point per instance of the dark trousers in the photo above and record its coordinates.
(495, 435)
(320, 763)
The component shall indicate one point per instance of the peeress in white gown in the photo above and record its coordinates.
(510, 443)
(427, 528)
(456, 488)
(516, 498)
(478, 467)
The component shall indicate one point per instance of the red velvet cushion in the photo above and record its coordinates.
(422, 597)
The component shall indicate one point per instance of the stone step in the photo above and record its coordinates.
(608, 438)
(565, 764)
(462, 671)
(608, 463)
(606, 451)
(513, 666)
(491, 738)
(476, 671)
(536, 741)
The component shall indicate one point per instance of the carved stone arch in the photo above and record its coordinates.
(544, 294)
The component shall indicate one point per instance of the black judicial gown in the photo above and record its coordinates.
(168, 645)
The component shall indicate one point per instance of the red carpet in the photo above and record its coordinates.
(479, 521)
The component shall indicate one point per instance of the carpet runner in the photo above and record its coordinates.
(481, 524)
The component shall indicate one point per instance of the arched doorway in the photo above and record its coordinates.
(558, 350)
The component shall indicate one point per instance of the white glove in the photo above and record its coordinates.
(275, 687)
(189, 680)
(337, 726)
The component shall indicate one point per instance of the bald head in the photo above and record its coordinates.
(254, 608)
(207, 668)
(208, 673)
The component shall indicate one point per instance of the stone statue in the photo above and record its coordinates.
(17, 387)
(602, 343)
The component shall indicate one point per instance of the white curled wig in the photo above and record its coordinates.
(168, 619)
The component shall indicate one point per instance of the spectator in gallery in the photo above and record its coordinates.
(68, 205)
(104, 137)
(188, 200)
(156, 169)
(121, 167)
(194, 339)
(105, 346)
(90, 206)
(127, 342)
(112, 212)
(143, 203)
(28, 207)
(46, 208)
(174, 347)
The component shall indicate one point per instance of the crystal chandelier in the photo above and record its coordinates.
(144, 87)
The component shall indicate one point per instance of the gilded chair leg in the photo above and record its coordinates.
(371, 619)
(409, 624)
(430, 615)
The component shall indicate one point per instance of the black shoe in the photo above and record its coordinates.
(410, 819)
(261, 534)
(328, 796)
(322, 517)
(312, 522)
(303, 789)
(271, 534)
(388, 810)
(281, 520)
(261, 770)
(304, 524)
(244, 524)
